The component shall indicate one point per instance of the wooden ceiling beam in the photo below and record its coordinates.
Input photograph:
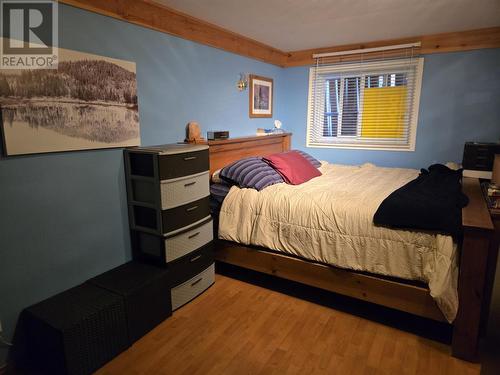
(435, 43)
(161, 18)
(158, 17)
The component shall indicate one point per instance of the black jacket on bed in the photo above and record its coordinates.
(433, 201)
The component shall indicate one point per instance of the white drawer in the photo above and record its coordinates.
(184, 243)
(188, 290)
(183, 190)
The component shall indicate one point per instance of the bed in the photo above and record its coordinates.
(324, 237)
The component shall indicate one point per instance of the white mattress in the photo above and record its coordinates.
(330, 219)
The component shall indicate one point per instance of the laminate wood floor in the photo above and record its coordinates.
(237, 327)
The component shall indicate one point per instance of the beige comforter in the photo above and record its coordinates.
(330, 219)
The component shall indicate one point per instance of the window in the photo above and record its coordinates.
(372, 105)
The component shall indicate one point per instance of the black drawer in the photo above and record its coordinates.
(166, 221)
(179, 165)
(190, 265)
(479, 156)
(179, 217)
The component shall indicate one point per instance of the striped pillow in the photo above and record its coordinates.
(219, 191)
(251, 173)
(311, 160)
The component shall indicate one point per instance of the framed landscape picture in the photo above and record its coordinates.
(261, 96)
(88, 102)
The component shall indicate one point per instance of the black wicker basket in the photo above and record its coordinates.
(146, 291)
(76, 331)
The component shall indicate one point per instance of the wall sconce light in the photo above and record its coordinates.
(242, 83)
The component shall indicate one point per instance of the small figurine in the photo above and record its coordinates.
(277, 127)
(193, 133)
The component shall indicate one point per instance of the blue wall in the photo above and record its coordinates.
(63, 217)
(459, 101)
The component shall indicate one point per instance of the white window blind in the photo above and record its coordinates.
(364, 104)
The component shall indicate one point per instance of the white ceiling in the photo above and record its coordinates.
(301, 24)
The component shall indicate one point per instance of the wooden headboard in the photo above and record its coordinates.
(224, 152)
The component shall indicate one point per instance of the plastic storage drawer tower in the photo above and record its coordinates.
(168, 200)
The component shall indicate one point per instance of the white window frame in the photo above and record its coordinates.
(346, 142)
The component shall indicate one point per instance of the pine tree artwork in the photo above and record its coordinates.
(88, 102)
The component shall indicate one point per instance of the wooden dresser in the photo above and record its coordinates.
(168, 202)
(492, 265)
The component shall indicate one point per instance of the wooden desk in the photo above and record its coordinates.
(475, 264)
(491, 270)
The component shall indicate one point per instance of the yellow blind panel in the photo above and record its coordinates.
(383, 112)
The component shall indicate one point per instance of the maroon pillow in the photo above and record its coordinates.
(294, 168)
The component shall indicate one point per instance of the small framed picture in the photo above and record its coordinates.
(261, 96)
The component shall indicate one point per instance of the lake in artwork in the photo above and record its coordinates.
(89, 102)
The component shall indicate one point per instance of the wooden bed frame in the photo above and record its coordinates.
(394, 293)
